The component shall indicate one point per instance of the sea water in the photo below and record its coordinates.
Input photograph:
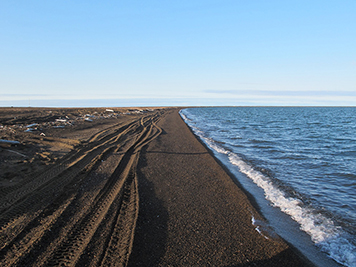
(300, 165)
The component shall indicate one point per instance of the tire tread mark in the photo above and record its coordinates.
(120, 190)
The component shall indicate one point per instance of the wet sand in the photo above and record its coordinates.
(99, 187)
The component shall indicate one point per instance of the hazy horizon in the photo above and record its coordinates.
(187, 53)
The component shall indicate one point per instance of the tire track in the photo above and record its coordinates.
(68, 253)
(121, 240)
(56, 184)
(73, 159)
(58, 232)
(58, 177)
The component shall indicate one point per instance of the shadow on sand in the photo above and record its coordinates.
(151, 227)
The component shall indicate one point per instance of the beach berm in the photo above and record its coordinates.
(122, 187)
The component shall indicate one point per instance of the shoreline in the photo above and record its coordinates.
(251, 198)
(153, 192)
(289, 255)
(291, 229)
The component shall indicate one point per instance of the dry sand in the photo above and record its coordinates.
(100, 187)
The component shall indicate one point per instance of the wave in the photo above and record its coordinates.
(330, 238)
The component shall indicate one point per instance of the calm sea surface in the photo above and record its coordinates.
(300, 160)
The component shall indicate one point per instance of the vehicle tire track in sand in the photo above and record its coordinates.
(57, 181)
(68, 253)
(58, 232)
(72, 159)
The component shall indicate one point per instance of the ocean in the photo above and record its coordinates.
(299, 163)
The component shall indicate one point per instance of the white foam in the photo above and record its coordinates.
(330, 238)
(257, 228)
(322, 230)
(183, 116)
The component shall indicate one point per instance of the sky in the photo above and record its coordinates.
(178, 53)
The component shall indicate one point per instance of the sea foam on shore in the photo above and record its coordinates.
(325, 234)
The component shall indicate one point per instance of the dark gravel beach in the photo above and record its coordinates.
(120, 187)
(191, 211)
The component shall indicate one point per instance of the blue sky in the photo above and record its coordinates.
(152, 53)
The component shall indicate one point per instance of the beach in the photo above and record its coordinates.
(123, 187)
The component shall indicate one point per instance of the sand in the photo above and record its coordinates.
(120, 187)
